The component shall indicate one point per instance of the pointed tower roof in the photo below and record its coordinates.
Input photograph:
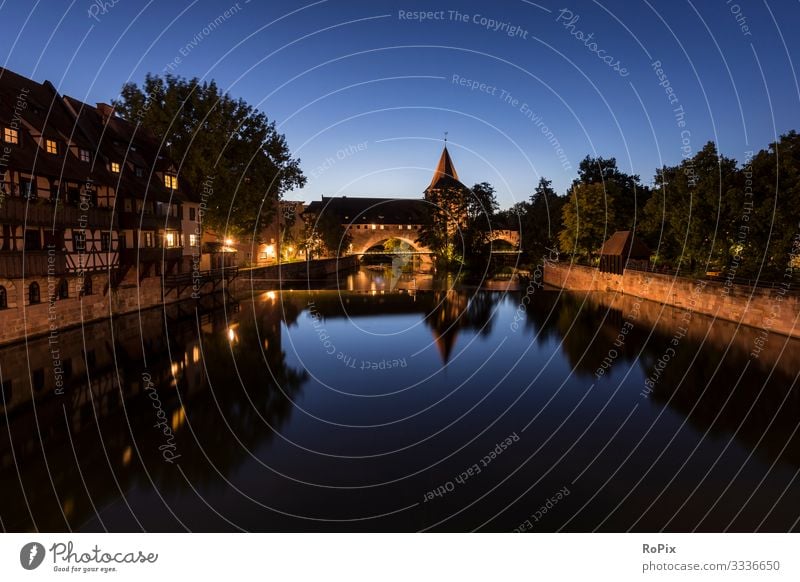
(445, 174)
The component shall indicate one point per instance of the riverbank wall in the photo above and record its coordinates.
(273, 276)
(772, 310)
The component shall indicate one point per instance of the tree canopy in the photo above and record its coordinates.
(209, 133)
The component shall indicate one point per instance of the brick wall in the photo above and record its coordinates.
(774, 310)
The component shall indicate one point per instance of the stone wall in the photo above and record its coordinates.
(22, 319)
(773, 310)
(270, 277)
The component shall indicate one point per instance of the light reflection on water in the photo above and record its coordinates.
(326, 410)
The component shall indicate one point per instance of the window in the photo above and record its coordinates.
(194, 240)
(10, 135)
(33, 241)
(63, 289)
(105, 241)
(171, 181)
(50, 146)
(139, 172)
(6, 392)
(408, 227)
(374, 227)
(115, 167)
(33, 294)
(383, 227)
(128, 206)
(27, 188)
(87, 285)
(148, 239)
(78, 241)
(3, 298)
(37, 379)
(171, 239)
(85, 156)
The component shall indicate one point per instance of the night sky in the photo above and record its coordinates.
(364, 91)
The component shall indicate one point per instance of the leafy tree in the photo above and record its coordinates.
(625, 190)
(443, 231)
(587, 214)
(209, 133)
(325, 235)
(481, 205)
(542, 220)
(693, 215)
(771, 181)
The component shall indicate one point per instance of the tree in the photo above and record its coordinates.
(542, 220)
(443, 231)
(209, 133)
(325, 235)
(625, 190)
(481, 206)
(587, 214)
(692, 218)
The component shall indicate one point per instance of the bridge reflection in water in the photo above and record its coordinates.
(258, 409)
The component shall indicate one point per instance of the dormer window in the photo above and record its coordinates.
(50, 146)
(115, 168)
(85, 156)
(171, 181)
(10, 135)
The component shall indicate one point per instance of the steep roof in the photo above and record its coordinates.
(624, 243)
(445, 175)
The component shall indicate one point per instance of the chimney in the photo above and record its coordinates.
(106, 111)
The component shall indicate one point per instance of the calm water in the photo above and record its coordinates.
(387, 410)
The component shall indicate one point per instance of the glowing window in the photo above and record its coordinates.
(51, 146)
(115, 167)
(85, 156)
(171, 182)
(10, 135)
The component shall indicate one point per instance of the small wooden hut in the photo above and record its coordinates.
(621, 250)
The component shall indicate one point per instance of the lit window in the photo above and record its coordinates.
(10, 135)
(383, 227)
(85, 156)
(115, 167)
(51, 146)
(374, 227)
(194, 240)
(171, 182)
(171, 239)
(408, 227)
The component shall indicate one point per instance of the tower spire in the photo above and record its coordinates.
(445, 170)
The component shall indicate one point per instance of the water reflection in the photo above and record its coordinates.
(273, 432)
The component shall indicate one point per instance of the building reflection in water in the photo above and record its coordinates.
(219, 397)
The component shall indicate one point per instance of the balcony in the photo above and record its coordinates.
(42, 213)
(36, 264)
(136, 221)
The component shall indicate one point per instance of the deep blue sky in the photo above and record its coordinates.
(337, 74)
